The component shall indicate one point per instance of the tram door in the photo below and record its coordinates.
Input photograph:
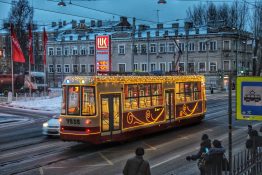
(169, 97)
(110, 113)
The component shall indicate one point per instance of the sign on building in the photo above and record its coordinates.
(249, 98)
(103, 55)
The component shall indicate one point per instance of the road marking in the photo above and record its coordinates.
(41, 171)
(160, 163)
(104, 157)
(150, 146)
(63, 167)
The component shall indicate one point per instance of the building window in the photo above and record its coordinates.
(191, 67)
(202, 46)
(121, 49)
(191, 47)
(135, 49)
(66, 68)
(153, 48)
(181, 67)
(51, 68)
(59, 51)
(66, 51)
(143, 48)
(226, 45)
(162, 67)
(153, 66)
(91, 68)
(58, 68)
(202, 67)
(91, 50)
(213, 46)
(226, 65)
(212, 66)
(83, 50)
(181, 46)
(162, 48)
(171, 47)
(135, 67)
(122, 67)
(75, 68)
(170, 66)
(144, 67)
(83, 68)
(50, 51)
(74, 50)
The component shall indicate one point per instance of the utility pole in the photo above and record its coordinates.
(230, 123)
(133, 44)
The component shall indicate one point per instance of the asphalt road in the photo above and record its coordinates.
(23, 149)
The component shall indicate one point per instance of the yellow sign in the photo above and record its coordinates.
(249, 98)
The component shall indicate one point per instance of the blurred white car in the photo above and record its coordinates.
(51, 127)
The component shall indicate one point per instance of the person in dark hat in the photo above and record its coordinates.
(214, 159)
(205, 145)
(137, 165)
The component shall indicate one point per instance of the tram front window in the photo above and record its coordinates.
(73, 100)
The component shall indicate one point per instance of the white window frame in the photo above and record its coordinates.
(202, 46)
(81, 70)
(213, 44)
(170, 48)
(121, 64)
(169, 66)
(74, 50)
(83, 49)
(90, 68)
(141, 49)
(151, 66)
(199, 67)
(91, 51)
(136, 67)
(162, 63)
(67, 66)
(60, 51)
(66, 48)
(73, 70)
(182, 46)
(121, 49)
(51, 51)
(50, 68)
(210, 66)
(229, 44)
(142, 67)
(57, 68)
(153, 47)
(191, 46)
(193, 66)
(229, 65)
(162, 46)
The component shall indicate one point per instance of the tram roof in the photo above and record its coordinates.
(92, 80)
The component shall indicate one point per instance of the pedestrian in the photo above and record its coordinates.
(205, 145)
(137, 165)
(214, 159)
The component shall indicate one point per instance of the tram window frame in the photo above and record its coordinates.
(92, 109)
(156, 94)
(188, 94)
(77, 108)
(63, 102)
(131, 96)
(145, 100)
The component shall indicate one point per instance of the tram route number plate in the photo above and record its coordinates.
(71, 121)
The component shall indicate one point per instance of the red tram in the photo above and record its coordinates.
(99, 109)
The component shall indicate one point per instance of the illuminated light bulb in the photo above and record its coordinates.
(67, 81)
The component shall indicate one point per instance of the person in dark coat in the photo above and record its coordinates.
(137, 165)
(205, 145)
(214, 159)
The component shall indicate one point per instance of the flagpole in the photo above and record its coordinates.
(45, 80)
(12, 61)
(29, 67)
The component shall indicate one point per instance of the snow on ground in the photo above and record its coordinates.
(40, 103)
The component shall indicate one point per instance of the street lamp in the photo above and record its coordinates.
(161, 2)
(61, 3)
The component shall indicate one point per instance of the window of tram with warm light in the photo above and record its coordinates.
(188, 91)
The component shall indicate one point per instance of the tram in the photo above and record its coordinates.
(98, 109)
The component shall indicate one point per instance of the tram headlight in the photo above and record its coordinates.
(45, 124)
(88, 122)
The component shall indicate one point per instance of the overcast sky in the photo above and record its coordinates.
(47, 11)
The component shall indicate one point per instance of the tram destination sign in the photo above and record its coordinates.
(103, 55)
(249, 98)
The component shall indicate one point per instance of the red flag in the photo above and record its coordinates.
(30, 46)
(17, 52)
(44, 45)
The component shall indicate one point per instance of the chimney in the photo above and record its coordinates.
(92, 23)
(157, 33)
(64, 23)
(60, 24)
(53, 24)
(148, 34)
(160, 26)
(123, 19)
(99, 23)
(73, 24)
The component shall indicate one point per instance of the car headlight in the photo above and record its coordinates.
(45, 124)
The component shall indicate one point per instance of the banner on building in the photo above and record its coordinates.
(103, 55)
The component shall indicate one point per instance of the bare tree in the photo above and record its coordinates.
(20, 15)
(197, 14)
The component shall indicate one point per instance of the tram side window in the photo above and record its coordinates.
(144, 96)
(131, 96)
(88, 101)
(189, 91)
(197, 91)
(156, 93)
(73, 100)
(63, 108)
